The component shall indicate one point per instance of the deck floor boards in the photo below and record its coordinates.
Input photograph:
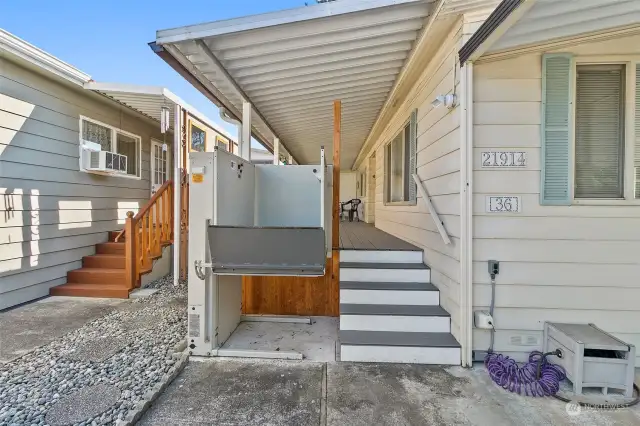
(364, 236)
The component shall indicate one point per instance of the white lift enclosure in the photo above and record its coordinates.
(247, 219)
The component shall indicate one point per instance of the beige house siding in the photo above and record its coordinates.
(438, 165)
(53, 214)
(574, 264)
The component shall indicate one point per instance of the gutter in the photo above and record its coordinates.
(507, 13)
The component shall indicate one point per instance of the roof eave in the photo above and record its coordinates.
(38, 57)
(501, 19)
(252, 22)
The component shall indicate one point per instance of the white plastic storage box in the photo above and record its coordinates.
(591, 357)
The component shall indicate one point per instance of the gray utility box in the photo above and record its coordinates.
(591, 357)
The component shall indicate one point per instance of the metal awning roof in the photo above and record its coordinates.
(531, 22)
(292, 64)
(149, 100)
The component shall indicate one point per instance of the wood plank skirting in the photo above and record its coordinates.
(308, 296)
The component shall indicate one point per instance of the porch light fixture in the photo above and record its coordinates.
(447, 100)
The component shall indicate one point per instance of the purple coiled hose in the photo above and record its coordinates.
(535, 378)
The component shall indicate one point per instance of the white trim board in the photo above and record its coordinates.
(401, 354)
(416, 324)
(381, 256)
(390, 297)
(386, 275)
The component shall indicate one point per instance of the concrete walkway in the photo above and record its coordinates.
(27, 327)
(261, 392)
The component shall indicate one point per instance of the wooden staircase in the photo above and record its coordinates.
(101, 275)
(119, 263)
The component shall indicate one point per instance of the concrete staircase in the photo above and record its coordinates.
(390, 311)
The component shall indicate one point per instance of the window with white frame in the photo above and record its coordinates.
(112, 139)
(590, 133)
(397, 163)
(599, 131)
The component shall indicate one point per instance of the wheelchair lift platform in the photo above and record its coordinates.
(247, 219)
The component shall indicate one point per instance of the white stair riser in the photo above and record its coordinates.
(401, 354)
(395, 323)
(381, 256)
(390, 297)
(386, 275)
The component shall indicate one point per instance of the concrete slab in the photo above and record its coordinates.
(97, 349)
(241, 392)
(315, 341)
(142, 292)
(27, 327)
(82, 405)
(393, 394)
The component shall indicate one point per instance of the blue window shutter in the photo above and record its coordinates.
(556, 132)
(413, 150)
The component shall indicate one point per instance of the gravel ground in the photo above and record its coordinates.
(122, 355)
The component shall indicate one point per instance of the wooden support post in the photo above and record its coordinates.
(130, 257)
(337, 129)
(335, 220)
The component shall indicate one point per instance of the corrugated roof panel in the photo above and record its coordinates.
(291, 65)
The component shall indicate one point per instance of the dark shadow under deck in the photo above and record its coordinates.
(364, 236)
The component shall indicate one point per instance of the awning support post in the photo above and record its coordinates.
(276, 151)
(245, 143)
(177, 175)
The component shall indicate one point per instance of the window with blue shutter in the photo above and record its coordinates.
(557, 82)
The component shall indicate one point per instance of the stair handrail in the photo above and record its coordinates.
(432, 210)
(147, 232)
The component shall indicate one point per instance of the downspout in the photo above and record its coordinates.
(177, 174)
(466, 214)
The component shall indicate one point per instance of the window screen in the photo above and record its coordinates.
(599, 139)
(129, 146)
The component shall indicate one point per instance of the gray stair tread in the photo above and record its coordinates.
(397, 338)
(400, 310)
(376, 265)
(372, 285)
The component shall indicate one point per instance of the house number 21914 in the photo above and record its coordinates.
(504, 159)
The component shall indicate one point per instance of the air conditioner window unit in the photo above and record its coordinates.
(105, 161)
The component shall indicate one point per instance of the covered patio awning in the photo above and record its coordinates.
(521, 24)
(290, 66)
(149, 101)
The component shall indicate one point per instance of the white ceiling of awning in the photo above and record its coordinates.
(291, 65)
(149, 101)
(555, 19)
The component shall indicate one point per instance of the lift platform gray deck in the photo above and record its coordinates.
(267, 250)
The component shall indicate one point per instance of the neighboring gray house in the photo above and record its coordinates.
(54, 208)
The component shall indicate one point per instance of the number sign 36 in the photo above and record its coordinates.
(504, 159)
(503, 204)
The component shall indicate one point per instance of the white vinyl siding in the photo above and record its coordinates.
(437, 166)
(564, 263)
(599, 137)
(53, 214)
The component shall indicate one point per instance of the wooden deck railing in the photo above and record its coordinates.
(147, 233)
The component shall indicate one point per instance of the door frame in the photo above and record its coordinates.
(152, 162)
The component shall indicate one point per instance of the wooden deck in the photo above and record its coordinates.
(364, 236)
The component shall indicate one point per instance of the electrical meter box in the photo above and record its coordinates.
(591, 357)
